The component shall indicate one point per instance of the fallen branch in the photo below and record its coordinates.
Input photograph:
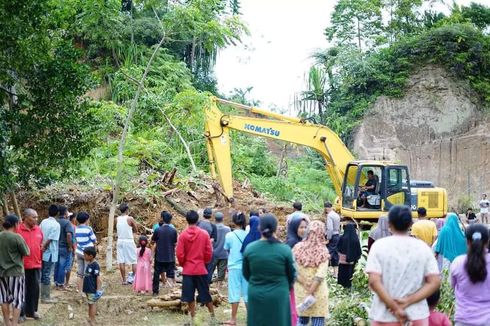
(169, 192)
(163, 304)
(181, 210)
(217, 187)
(172, 176)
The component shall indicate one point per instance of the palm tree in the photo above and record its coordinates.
(317, 89)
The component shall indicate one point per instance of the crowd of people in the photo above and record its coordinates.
(34, 254)
(280, 283)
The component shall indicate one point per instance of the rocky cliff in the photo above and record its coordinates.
(438, 129)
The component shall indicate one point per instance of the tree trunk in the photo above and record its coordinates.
(281, 160)
(359, 34)
(122, 144)
(193, 55)
(5, 207)
(13, 197)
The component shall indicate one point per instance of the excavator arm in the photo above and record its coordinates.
(273, 126)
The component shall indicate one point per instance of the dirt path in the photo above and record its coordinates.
(119, 306)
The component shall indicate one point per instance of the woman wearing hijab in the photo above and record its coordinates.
(380, 231)
(349, 254)
(451, 242)
(296, 231)
(312, 257)
(253, 233)
(269, 269)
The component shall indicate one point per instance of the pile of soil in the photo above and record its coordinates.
(196, 193)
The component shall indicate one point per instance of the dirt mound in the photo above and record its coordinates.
(195, 193)
(438, 128)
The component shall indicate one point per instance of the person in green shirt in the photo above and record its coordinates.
(12, 285)
(269, 269)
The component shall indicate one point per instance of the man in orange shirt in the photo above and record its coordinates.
(32, 235)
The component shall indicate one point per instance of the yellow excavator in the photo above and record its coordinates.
(365, 189)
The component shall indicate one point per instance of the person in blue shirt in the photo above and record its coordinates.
(51, 236)
(237, 285)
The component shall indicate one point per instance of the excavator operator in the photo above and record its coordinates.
(368, 189)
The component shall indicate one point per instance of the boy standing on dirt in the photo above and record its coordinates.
(92, 283)
(194, 251)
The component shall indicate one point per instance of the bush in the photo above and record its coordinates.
(464, 202)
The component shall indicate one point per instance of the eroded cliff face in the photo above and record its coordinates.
(437, 129)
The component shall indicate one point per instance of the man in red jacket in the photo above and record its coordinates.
(194, 251)
(32, 235)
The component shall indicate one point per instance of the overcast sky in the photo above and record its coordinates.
(275, 57)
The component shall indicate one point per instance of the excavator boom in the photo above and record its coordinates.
(365, 189)
(273, 126)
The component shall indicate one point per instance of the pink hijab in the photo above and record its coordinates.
(312, 251)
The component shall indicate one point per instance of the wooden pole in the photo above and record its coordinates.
(122, 144)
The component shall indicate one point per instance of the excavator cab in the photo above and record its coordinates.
(374, 187)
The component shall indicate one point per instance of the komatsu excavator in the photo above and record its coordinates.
(365, 189)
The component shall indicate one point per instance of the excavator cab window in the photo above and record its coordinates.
(370, 180)
(397, 190)
(350, 191)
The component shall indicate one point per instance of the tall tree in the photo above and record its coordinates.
(356, 22)
(478, 14)
(404, 17)
(45, 125)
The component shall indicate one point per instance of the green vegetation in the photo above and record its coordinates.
(54, 54)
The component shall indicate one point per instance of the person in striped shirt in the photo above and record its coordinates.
(85, 237)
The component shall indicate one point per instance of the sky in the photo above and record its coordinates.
(276, 56)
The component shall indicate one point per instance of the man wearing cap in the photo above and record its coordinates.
(220, 255)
